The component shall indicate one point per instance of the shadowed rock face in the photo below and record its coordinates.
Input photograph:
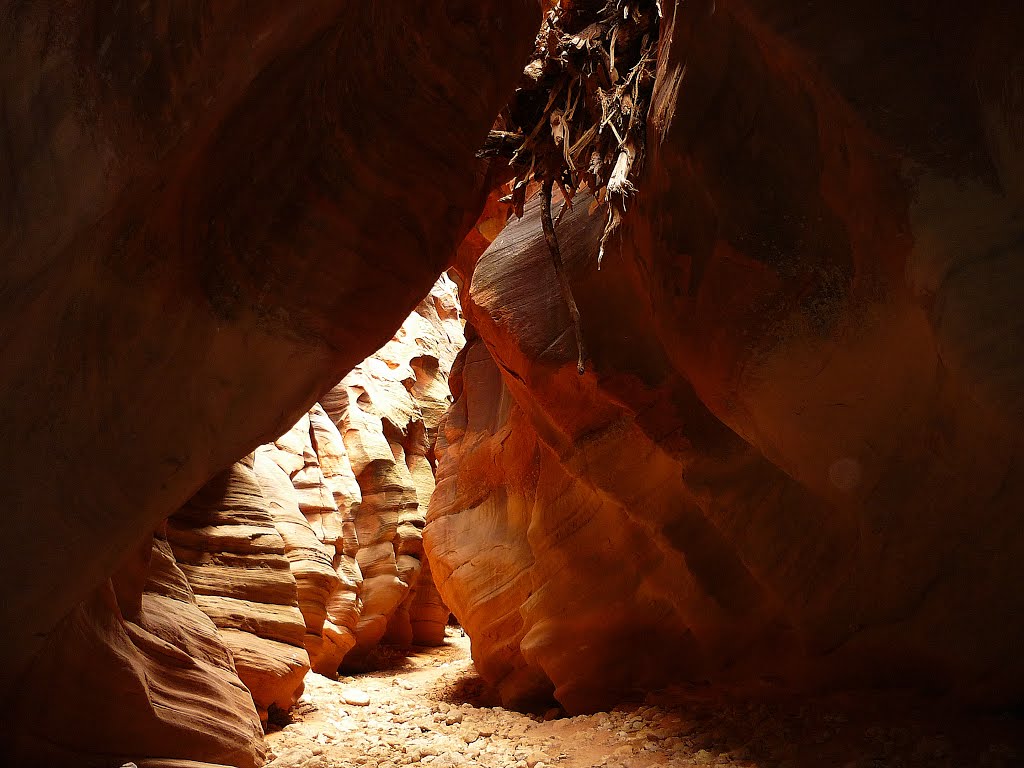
(255, 580)
(796, 452)
(192, 200)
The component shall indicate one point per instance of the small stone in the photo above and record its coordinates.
(469, 734)
(355, 697)
(293, 758)
(453, 717)
(536, 759)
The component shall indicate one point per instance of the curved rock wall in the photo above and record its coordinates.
(795, 456)
(388, 410)
(228, 544)
(256, 580)
(137, 670)
(193, 200)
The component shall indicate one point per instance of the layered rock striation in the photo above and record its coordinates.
(137, 669)
(388, 410)
(193, 201)
(228, 544)
(258, 578)
(794, 459)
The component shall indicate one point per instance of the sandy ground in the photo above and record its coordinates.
(426, 710)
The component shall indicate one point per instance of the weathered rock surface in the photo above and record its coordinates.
(253, 580)
(227, 543)
(136, 671)
(193, 200)
(796, 454)
(310, 559)
(387, 411)
(344, 605)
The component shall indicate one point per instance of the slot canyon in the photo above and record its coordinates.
(512, 383)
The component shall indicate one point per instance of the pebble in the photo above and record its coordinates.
(355, 697)
(293, 758)
(704, 757)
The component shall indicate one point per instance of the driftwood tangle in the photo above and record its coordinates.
(579, 116)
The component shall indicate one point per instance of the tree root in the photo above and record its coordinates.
(563, 279)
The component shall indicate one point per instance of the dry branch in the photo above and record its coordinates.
(579, 116)
(563, 279)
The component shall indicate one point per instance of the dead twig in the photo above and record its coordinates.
(563, 279)
(580, 115)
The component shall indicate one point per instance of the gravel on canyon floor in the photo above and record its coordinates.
(428, 710)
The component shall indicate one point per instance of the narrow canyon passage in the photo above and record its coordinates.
(673, 347)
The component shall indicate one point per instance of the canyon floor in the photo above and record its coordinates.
(431, 708)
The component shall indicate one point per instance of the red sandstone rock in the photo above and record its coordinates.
(194, 204)
(227, 543)
(137, 671)
(388, 410)
(796, 452)
(311, 561)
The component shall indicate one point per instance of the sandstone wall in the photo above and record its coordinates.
(137, 670)
(257, 579)
(388, 410)
(795, 456)
(196, 197)
(228, 544)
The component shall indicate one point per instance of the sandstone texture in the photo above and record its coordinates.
(388, 410)
(794, 461)
(795, 455)
(201, 633)
(137, 670)
(195, 199)
(227, 543)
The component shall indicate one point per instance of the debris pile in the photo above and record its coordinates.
(579, 116)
